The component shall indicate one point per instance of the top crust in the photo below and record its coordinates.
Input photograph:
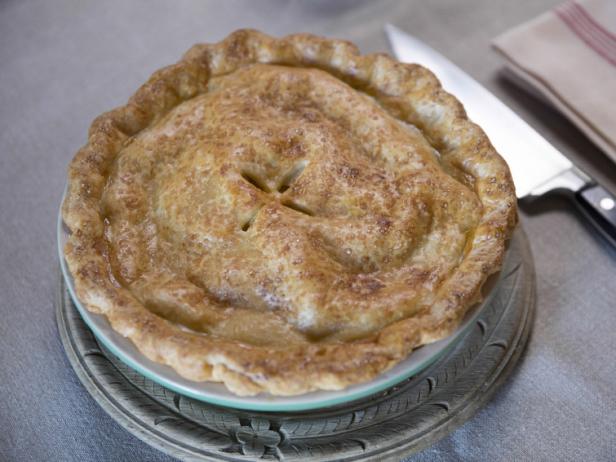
(285, 215)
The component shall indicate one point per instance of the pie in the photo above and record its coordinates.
(285, 215)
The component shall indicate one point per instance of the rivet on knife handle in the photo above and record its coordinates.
(599, 205)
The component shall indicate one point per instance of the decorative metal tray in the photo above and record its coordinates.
(386, 426)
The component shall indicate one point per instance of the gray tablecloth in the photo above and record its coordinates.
(63, 62)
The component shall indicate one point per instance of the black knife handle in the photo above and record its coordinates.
(599, 205)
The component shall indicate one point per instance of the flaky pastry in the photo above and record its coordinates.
(285, 215)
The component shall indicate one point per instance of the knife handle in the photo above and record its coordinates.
(599, 206)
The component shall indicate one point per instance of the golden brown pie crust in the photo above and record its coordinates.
(285, 215)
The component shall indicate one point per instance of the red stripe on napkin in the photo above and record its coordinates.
(602, 41)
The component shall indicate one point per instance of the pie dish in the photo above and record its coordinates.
(216, 393)
(285, 215)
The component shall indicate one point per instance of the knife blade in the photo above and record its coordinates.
(536, 166)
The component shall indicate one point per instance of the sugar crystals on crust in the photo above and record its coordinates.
(285, 215)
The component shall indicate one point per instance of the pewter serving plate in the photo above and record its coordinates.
(216, 393)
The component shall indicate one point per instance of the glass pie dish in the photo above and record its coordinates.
(217, 394)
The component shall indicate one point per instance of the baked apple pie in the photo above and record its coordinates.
(285, 215)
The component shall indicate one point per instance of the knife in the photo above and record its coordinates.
(536, 166)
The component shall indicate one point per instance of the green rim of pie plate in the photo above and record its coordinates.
(219, 395)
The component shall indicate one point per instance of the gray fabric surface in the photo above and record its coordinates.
(63, 62)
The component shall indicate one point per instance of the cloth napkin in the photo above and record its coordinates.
(568, 56)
